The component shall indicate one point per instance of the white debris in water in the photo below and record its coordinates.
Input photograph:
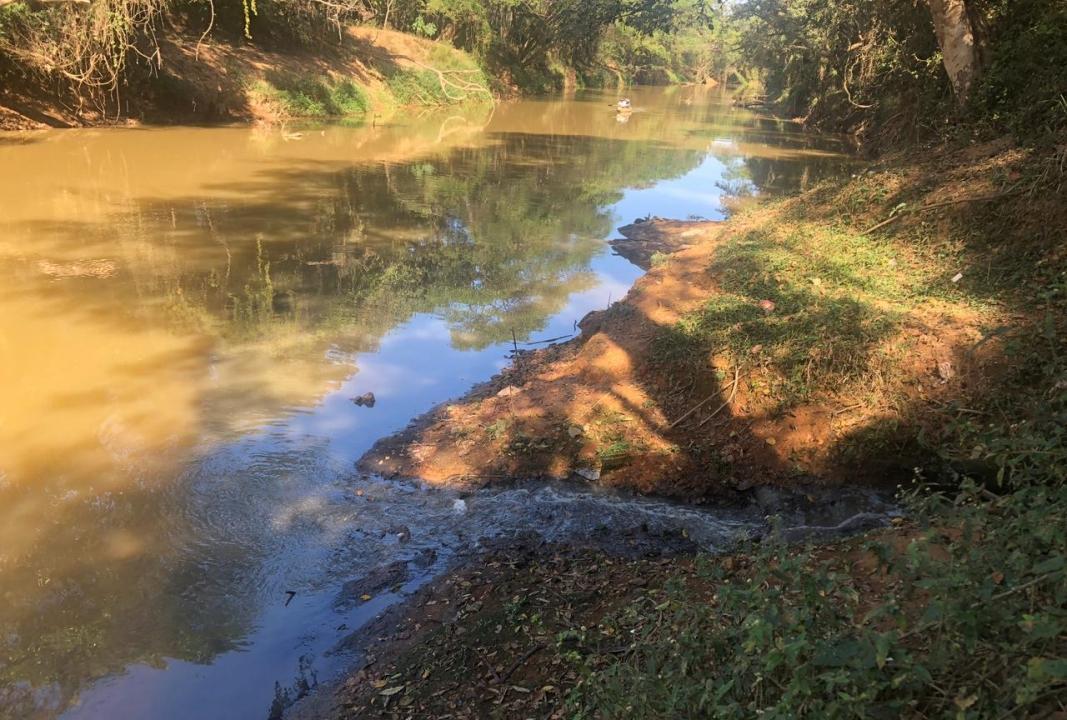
(460, 505)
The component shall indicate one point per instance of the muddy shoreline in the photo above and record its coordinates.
(604, 407)
(639, 556)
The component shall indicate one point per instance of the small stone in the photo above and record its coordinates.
(945, 371)
(508, 391)
(590, 474)
(364, 400)
(574, 431)
(767, 306)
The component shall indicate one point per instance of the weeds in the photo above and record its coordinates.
(966, 618)
(614, 446)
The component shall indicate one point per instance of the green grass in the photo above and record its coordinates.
(837, 297)
(313, 97)
(615, 447)
(659, 259)
(461, 81)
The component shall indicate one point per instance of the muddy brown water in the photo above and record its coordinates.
(186, 314)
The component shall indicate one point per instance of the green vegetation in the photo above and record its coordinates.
(1024, 87)
(876, 67)
(963, 616)
(98, 52)
(960, 612)
(831, 298)
(614, 445)
(695, 47)
(312, 97)
(450, 80)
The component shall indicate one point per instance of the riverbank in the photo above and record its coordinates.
(905, 323)
(787, 345)
(368, 76)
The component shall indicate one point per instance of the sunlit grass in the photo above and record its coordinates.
(818, 304)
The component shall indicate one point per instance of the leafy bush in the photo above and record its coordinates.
(1025, 86)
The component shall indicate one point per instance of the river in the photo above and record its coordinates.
(186, 314)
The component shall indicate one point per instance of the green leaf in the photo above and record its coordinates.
(1045, 669)
(1053, 564)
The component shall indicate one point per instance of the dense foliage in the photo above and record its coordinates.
(693, 48)
(961, 618)
(875, 66)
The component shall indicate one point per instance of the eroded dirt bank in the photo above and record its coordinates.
(368, 74)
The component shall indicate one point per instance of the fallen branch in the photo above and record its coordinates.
(706, 400)
(549, 340)
(207, 30)
(729, 400)
(465, 87)
(501, 679)
(935, 206)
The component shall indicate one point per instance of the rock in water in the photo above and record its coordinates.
(364, 400)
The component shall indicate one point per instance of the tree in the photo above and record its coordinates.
(959, 45)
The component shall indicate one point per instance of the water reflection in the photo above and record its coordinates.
(184, 314)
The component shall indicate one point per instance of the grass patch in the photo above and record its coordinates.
(659, 259)
(453, 79)
(312, 97)
(614, 445)
(816, 303)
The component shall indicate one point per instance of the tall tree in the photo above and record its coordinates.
(959, 44)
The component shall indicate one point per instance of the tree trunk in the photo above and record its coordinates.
(959, 47)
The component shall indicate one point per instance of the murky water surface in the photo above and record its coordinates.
(185, 315)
